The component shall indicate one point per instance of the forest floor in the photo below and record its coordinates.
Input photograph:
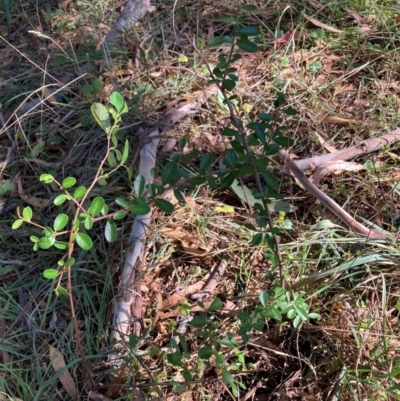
(339, 67)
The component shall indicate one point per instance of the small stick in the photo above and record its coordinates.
(369, 146)
(212, 282)
(11, 149)
(328, 202)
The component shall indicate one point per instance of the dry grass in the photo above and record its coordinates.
(345, 88)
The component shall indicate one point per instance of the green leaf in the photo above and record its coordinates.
(60, 222)
(283, 141)
(170, 173)
(229, 132)
(61, 291)
(292, 313)
(84, 241)
(229, 341)
(175, 359)
(249, 31)
(88, 223)
(250, 7)
(50, 274)
(140, 209)
(117, 101)
(216, 41)
(27, 213)
(119, 215)
(227, 377)
(297, 322)
(125, 152)
(102, 117)
(60, 245)
(247, 46)
(68, 182)
(121, 202)
(314, 315)
(229, 84)
(206, 161)
(290, 111)
(79, 192)
(45, 243)
(46, 178)
(216, 305)
(205, 352)
(96, 206)
(17, 224)
(199, 321)
(111, 159)
(315, 66)
(301, 312)
(111, 231)
(264, 297)
(228, 180)
(139, 184)
(270, 180)
(69, 261)
(273, 313)
(164, 205)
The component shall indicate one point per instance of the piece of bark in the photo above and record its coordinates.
(366, 147)
(132, 13)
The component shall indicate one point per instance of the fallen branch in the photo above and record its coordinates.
(328, 202)
(129, 291)
(369, 146)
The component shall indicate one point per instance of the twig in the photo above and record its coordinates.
(11, 149)
(366, 147)
(328, 202)
(212, 282)
(13, 262)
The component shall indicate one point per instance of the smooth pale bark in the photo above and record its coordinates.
(366, 147)
(127, 307)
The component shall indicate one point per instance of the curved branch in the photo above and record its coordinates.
(345, 154)
(328, 202)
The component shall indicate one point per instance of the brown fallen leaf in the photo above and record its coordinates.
(320, 24)
(316, 4)
(336, 167)
(325, 145)
(287, 37)
(58, 363)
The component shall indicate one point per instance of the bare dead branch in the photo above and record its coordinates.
(328, 202)
(369, 146)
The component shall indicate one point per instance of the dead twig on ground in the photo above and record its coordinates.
(330, 203)
(364, 148)
(212, 282)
